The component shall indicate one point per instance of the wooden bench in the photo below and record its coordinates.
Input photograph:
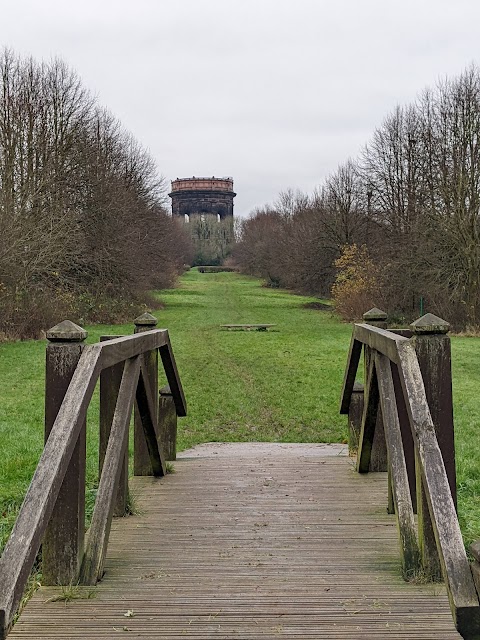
(247, 327)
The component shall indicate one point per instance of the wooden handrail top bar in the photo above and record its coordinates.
(381, 340)
(120, 349)
(406, 333)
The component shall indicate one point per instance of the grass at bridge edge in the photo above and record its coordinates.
(279, 385)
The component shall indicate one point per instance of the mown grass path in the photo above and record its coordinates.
(250, 385)
(279, 385)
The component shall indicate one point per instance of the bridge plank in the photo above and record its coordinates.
(259, 546)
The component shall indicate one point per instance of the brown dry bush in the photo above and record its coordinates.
(356, 286)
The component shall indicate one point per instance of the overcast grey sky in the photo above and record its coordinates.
(275, 93)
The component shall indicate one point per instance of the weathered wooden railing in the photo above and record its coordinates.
(407, 390)
(53, 512)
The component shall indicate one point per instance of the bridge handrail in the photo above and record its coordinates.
(389, 355)
(20, 552)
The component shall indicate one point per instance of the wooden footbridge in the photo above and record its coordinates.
(244, 541)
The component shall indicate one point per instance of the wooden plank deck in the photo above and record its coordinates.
(259, 544)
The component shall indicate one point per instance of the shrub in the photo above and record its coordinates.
(356, 284)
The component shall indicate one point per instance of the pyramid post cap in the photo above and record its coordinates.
(145, 320)
(430, 323)
(66, 331)
(375, 314)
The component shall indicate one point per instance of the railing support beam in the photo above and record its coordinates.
(398, 474)
(167, 423)
(355, 413)
(378, 460)
(110, 380)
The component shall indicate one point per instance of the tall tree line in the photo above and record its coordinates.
(84, 230)
(412, 198)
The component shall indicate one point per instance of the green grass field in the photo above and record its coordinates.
(280, 385)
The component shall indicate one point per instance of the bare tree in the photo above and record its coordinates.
(82, 215)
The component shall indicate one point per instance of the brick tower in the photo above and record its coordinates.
(206, 205)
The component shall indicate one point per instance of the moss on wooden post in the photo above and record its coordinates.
(141, 461)
(432, 346)
(62, 549)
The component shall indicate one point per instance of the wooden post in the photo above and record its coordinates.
(355, 413)
(141, 460)
(376, 317)
(432, 346)
(167, 423)
(110, 380)
(378, 460)
(62, 550)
